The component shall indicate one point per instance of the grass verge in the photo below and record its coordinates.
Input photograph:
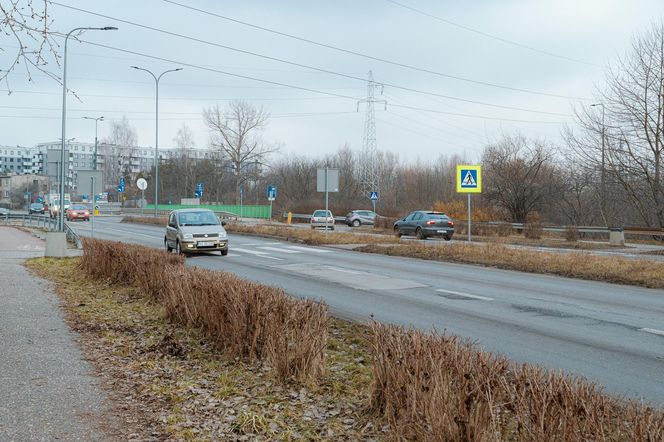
(171, 383)
(643, 272)
(311, 236)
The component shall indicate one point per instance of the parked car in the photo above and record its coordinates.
(77, 211)
(423, 223)
(358, 218)
(195, 230)
(3, 211)
(322, 218)
(36, 208)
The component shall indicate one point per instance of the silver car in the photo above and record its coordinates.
(322, 218)
(194, 231)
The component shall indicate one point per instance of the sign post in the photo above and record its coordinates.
(142, 185)
(469, 180)
(373, 196)
(271, 195)
(327, 180)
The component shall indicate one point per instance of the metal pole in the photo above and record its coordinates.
(92, 216)
(61, 214)
(469, 229)
(602, 184)
(156, 130)
(326, 200)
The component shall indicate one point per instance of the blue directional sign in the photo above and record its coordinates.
(271, 192)
(373, 196)
(199, 190)
(121, 185)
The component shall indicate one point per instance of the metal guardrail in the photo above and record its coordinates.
(150, 213)
(31, 220)
(44, 221)
(308, 217)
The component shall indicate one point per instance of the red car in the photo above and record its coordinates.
(78, 211)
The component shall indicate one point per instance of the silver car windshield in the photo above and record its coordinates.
(202, 218)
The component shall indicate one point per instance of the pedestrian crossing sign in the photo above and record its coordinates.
(469, 178)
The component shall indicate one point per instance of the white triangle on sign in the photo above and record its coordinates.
(469, 180)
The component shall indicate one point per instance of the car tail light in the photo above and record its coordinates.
(431, 222)
(450, 223)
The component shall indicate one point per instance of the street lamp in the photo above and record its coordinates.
(602, 180)
(61, 212)
(156, 132)
(97, 120)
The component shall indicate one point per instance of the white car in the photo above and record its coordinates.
(322, 218)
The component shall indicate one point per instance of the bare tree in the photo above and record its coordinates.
(520, 176)
(118, 150)
(25, 26)
(184, 141)
(236, 131)
(626, 144)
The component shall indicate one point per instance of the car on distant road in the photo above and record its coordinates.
(322, 218)
(358, 218)
(78, 211)
(54, 207)
(36, 208)
(425, 223)
(194, 231)
(3, 211)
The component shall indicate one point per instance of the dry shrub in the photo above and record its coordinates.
(158, 221)
(385, 222)
(458, 210)
(311, 236)
(582, 265)
(533, 228)
(503, 229)
(434, 387)
(244, 319)
(571, 234)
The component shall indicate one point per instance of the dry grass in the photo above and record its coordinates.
(310, 236)
(160, 221)
(244, 319)
(643, 272)
(437, 388)
(170, 382)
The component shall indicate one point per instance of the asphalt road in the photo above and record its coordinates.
(612, 334)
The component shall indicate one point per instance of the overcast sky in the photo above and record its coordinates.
(571, 42)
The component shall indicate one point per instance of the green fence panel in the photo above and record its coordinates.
(246, 211)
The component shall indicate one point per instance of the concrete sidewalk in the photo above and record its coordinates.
(47, 391)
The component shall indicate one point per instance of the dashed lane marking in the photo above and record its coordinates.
(280, 250)
(654, 331)
(464, 295)
(308, 249)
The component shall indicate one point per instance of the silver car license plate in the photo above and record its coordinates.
(205, 244)
(442, 231)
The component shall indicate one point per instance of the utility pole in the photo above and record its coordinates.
(368, 157)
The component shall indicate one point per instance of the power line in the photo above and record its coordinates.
(457, 114)
(370, 57)
(495, 37)
(280, 60)
(285, 115)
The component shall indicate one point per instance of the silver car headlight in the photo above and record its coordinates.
(188, 236)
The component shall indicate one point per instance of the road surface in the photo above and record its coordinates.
(612, 334)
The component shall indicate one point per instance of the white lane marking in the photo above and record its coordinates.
(251, 252)
(250, 244)
(275, 249)
(352, 272)
(465, 295)
(308, 249)
(233, 254)
(653, 331)
(257, 253)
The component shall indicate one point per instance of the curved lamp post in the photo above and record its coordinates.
(156, 131)
(61, 211)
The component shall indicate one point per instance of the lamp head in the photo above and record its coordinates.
(109, 28)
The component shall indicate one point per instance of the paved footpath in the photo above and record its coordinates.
(47, 391)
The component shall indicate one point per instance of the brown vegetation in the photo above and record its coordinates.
(158, 221)
(310, 236)
(438, 388)
(245, 319)
(580, 265)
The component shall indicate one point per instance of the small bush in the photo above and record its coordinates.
(385, 222)
(571, 234)
(533, 228)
